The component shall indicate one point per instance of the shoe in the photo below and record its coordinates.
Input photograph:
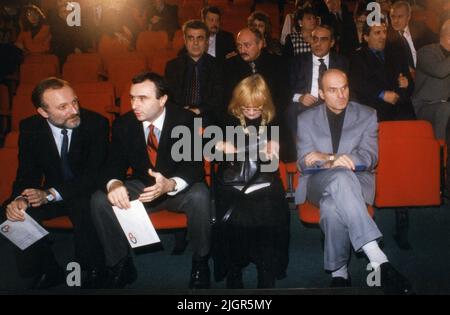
(200, 274)
(234, 278)
(393, 282)
(48, 280)
(95, 278)
(340, 282)
(121, 274)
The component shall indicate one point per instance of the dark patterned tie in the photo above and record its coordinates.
(195, 87)
(253, 66)
(152, 145)
(67, 172)
(322, 68)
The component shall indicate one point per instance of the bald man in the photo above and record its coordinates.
(337, 150)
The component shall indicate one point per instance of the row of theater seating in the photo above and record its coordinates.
(407, 175)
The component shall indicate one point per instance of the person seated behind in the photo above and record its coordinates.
(340, 137)
(142, 142)
(261, 21)
(380, 76)
(299, 41)
(34, 36)
(257, 229)
(61, 150)
(194, 78)
(163, 17)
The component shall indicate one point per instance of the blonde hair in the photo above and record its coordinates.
(254, 92)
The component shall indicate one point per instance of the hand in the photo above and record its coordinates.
(314, 157)
(230, 55)
(308, 99)
(391, 97)
(162, 186)
(155, 19)
(272, 150)
(15, 211)
(118, 195)
(344, 161)
(226, 147)
(195, 110)
(35, 197)
(402, 81)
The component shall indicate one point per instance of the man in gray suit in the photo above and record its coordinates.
(337, 153)
(431, 98)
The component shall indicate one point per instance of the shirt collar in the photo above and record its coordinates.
(325, 58)
(56, 131)
(158, 122)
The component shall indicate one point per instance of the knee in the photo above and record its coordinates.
(199, 193)
(342, 177)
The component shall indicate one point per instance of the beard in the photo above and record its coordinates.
(72, 122)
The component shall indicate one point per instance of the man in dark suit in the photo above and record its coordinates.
(253, 58)
(60, 152)
(307, 69)
(380, 77)
(341, 20)
(194, 78)
(163, 17)
(408, 35)
(141, 141)
(221, 43)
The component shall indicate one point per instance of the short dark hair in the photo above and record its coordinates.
(156, 79)
(366, 27)
(195, 25)
(210, 9)
(300, 13)
(46, 84)
(261, 16)
(328, 28)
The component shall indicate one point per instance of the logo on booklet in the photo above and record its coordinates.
(132, 238)
(5, 229)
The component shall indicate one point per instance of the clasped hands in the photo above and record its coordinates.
(340, 160)
(118, 194)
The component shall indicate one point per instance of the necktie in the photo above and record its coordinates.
(253, 66)
(380, 55)
(67, 172)
(322, 68)
(152, 145)
(195, 87)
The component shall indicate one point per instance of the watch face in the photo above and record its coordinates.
(50, 198)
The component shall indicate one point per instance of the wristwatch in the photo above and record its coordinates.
(49, 196)
(331, 157)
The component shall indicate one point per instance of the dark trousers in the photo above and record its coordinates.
(39, 257)
(194, 201)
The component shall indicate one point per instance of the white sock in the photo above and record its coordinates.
(374, 253)
(341, 272)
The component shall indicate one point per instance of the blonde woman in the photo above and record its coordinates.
(257, 229)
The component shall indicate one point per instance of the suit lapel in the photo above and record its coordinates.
(48, 143)
(164, 138)
(309, 71)
(349, 120)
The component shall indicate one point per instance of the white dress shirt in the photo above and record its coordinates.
(212, 45)
(315, 77)
(408, 37)
(158, 123)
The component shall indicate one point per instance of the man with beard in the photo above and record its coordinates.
(60, 152)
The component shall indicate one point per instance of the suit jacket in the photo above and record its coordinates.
(421, 36)
(369, 76)
(432, 76)
(302, 71)
(40, 163)
(169, 19)
(271, 67)
(359, 140)
(211, 86)
(224, 44)
(344, 31)
(129, 150)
